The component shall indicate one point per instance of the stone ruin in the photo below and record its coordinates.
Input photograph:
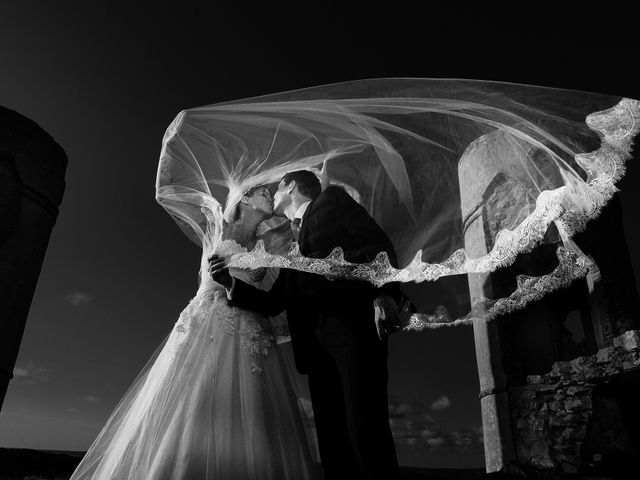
(582, 414)
(32, 169)
(559, 379)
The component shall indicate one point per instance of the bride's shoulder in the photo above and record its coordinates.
(277, 240)
(229, 238)
(228, 246)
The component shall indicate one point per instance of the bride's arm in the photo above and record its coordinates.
(247, 296)
(269, 303)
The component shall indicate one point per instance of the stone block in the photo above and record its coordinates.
(604, 355)
(537, 423)
(580, 376)
(629, 340)
(581, 363)
(612, 369)
(556, 421)
(523, 453)
(545, 390)
(565, 451)
(568, 433)
(542, 462)
(561, 369)
(574, 418)
(573, 433)
(571, 391)
(595, 374)
(576, 403)
(568, 467)
(534, 379)
(540, 449)
(556, 406)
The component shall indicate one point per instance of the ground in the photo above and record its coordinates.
(22, 464)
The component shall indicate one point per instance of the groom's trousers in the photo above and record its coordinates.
(348, 385)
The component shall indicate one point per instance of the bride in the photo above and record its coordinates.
(217, 401)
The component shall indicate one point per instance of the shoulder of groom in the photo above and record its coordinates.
(336, 193)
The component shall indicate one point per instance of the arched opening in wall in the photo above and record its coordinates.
(505, 204)
(576, 337)
(434, 409)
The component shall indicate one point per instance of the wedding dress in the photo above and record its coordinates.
(217, 402)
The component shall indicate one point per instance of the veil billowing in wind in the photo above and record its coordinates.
(462, 175)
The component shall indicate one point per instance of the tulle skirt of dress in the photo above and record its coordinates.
(216, 403)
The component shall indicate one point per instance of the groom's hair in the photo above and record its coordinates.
(307, 182)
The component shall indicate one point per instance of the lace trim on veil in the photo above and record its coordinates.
(569, 207)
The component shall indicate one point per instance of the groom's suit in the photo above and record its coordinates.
(334, 338)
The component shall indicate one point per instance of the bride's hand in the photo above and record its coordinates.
(219, 271)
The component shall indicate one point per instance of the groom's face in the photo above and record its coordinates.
(282, 198)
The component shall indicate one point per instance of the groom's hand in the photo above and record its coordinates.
(386, 315)
(219, 271)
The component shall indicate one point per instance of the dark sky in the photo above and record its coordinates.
(105, 80)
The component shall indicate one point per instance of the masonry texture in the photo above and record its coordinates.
(551, 413)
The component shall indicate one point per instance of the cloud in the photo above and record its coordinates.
(31, 373)
(20, 372)
(441, 403)
(429, 433)
(398, 409)
(415, 431)
(91, 398)
(76, 298)
(436, 441)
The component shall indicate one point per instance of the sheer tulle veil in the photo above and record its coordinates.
(462, 175)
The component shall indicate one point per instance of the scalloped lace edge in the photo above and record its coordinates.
(573, 264)
(569, 207)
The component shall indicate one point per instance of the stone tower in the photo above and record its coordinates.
(574, 323)
(32, 170)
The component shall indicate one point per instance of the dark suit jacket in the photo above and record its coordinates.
(333, 219)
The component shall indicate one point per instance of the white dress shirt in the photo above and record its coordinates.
(301, 210)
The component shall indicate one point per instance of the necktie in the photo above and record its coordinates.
(295, 228)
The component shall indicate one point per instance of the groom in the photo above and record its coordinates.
(333, 332)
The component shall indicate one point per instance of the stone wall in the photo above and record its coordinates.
(551, 413)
